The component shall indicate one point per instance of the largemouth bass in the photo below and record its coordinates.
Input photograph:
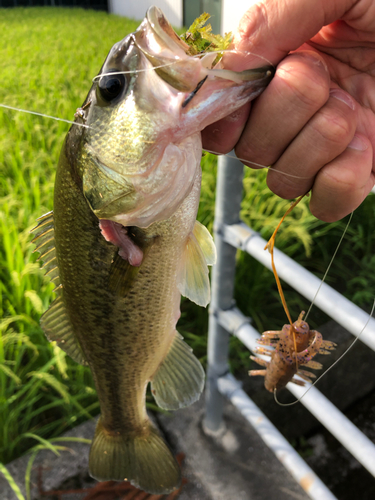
(123, 242)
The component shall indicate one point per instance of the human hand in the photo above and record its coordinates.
(316, 120)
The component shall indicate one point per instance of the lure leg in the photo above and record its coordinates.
(262, 350)
(306, 375)
(267, 341)
(327, 346)
(314, 365)
(312, 350)
(261, 362)
(298, 382)
(272, 334)
(254, 373)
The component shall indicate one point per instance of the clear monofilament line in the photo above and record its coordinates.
(235, 51)
(309, 310)
(179, 60)
(43, 115)
(329, 265)
(269, 167)
(132, 71)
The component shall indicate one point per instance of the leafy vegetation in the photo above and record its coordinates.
(44, 68)
(200, 38)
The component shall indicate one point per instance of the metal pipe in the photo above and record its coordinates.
(342, 310)
(227, 208)
(287, 455)
(338, 425)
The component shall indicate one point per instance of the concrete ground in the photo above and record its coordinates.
(238, 466)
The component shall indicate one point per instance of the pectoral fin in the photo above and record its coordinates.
(179, 380)
(206, 243)
(199, 253)
(121, 276)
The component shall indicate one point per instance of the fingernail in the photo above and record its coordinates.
(342, 96)
(357, 143)
(313, 56)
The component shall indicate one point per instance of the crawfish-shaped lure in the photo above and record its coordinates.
(293, 347)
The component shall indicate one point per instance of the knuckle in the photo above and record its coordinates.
(285, 187)
(245, 152)
(334, 127)
(309, 88)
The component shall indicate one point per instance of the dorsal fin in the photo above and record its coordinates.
(44, 239)
(55, 321)
(56, 325)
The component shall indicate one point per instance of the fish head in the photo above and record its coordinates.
(141, 149)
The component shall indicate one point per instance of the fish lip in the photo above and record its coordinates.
(157, 25)
(169, 55)
(159, 43)
(162, 27)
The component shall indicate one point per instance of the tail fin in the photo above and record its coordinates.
(144, 460)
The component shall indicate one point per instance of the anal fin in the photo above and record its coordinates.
(179, 380)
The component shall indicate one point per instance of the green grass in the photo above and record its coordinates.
(47, 60)
(43, 68)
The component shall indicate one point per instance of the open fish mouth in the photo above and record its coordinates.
(158, 41)
(147, 108)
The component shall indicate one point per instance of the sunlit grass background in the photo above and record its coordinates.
(47, 60)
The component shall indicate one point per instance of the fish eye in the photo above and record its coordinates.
(110, 86)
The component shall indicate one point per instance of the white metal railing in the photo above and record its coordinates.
(226, 319)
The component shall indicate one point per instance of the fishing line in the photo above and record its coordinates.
(309, 310)
(43, 115)
(142, 70)
(269, 167)
(329, 265)
(328, 369)
(246, 53)
(208, 151)
(179, 60)
(231, 51)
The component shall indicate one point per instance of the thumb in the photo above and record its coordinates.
(272, 28)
